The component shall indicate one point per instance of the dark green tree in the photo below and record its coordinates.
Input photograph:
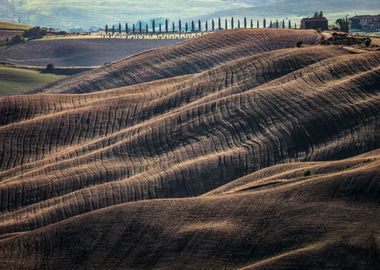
(186, 27)
(213, 25)
(219, 23)
(344, 25)
(206, 26)
(126, 28)
(265, 23)
(232, 23)
(289, 24)
(146, 28)
(192, 26)
(113, 29)
(133, 29)
(140, 26)
(283, 24)
(226, 24)
(166, 26)
(321, 14)
(277, 24)
(119, 28)
(106, 29)
(154, 26)
(245, 22)
(160, 28)
(238, 23)
(251, 23)
(180, 26)
(173, 27)
(258, 24)
(199, 26)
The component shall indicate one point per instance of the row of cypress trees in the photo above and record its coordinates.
(194, 27)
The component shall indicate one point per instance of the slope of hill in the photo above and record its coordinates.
(186, 146)
(188, 57)
(326, 220)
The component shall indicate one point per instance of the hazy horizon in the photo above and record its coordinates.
(85, 13)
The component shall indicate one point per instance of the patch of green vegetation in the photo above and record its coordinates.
(18, 80)
(13, 26)
(307, 173)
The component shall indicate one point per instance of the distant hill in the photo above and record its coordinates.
(13, 26)
(87, 13)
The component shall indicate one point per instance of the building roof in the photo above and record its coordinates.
(364, 16)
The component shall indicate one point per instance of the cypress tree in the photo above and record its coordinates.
(206, 26)
(277, 24)
(146, 29)
(238, 23)
(106, 29)
(133, 29)
(160, 28)
(180, 26)
(186, 27)
(113, 29)
(245, 22)
(283, 24)
(166, 26)
(265, 23)
(173, 27)
(251, 23)
(289, 24)
(232, 23)
(119, 28)
(225, 24)
(140, 26)
(126, 28)
(192, 26)
(271, 24)
(154, 26)
(199, 26)
(212, 25)
(219, 23)
(258, 24)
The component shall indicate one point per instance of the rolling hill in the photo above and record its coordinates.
(234, 150)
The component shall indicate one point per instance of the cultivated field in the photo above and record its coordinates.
(13, 26)
(235, 150)
(77, 52)
(18, 80)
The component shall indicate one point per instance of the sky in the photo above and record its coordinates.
(86, 13)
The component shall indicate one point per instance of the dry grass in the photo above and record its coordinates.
(95, 180)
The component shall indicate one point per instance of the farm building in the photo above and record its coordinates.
(366, 22)
(317, 23)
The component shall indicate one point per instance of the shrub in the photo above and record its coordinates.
(49, 67)
(35, 33)
(307, 173)
(367, 42)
